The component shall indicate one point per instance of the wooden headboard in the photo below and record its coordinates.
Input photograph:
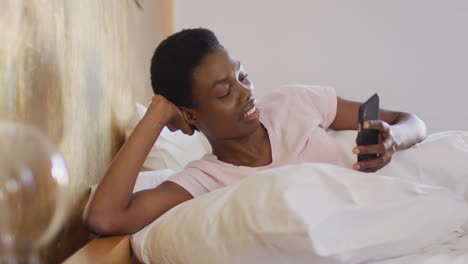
(74, 69)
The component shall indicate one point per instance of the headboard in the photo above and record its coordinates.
(74, 70)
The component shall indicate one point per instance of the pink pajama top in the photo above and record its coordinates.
(296, 118)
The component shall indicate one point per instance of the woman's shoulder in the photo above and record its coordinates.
(297, 94)
(293, 111)
(298, 99)
(207, 174)
(195, 180)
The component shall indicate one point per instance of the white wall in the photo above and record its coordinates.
(413, 52)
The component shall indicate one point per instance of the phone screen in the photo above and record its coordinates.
(369, 110)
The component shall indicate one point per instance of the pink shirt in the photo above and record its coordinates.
(296, 118)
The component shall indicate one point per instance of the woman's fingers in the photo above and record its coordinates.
(384, 150)
(187, 129)
(374, 164)
(380, 148)
(370, 165)
(376, 125)
(370, 149)
(183, 125)
(175, 119)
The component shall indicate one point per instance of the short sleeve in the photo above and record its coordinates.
(323, 99)
(194, 181)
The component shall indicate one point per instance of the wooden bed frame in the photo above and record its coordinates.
(109, 249)
(80, 95)
(75, 77)
(113, 249)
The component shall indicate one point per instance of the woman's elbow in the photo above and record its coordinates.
(421, 128)
(100, 223)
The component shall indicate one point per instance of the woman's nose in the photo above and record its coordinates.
(245, 93)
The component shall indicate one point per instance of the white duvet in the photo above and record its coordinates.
(320, 213)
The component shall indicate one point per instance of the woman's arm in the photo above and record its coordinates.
(398, 131)
(114, 209)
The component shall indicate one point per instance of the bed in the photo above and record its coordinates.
(117, 250)
(425, 222)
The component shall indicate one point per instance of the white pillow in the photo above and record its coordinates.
(172, 150)
(311, 213)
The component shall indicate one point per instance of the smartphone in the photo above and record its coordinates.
(369, 110)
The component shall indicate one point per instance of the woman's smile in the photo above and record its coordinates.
(252, 114)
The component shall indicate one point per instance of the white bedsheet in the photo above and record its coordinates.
(440, 160)
(318, 213)
(454, 251)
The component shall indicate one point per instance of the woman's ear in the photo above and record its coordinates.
(190, 115)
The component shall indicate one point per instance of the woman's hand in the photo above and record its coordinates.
(173, 115)
(398, 131)
(384, 149)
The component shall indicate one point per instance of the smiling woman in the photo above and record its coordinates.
(199, 85)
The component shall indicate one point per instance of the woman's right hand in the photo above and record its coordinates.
(173, 115)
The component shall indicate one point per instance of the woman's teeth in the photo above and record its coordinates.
(251, 111)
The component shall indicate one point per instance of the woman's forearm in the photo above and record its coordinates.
(408, 130)
(115, 190)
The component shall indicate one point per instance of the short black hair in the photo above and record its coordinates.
(175, 59)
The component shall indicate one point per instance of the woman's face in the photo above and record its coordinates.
(224, 105)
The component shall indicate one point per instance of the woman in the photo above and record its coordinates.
(198, 85)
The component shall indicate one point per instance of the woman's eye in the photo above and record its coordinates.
(226, 94)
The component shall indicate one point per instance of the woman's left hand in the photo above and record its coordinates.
(384, 149)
